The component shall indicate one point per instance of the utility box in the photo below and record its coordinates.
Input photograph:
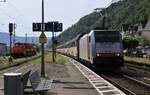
(13, 84)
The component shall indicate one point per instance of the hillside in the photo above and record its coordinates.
(124, 12)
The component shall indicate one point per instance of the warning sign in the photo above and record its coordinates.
(42, 38)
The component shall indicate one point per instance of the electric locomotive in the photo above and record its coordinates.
(102, 49)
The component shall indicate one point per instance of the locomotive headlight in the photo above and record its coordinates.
(118, 54)
(97, 54)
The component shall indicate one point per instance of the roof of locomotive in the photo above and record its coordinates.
(20, 43)
(104, 30)
(72, 41)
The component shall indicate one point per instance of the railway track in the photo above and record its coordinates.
(130, 84)
(16, 69)
(140, 69)
(121, 87)
(17, 63)
(127, 80)
(18, 66)
(141, 75)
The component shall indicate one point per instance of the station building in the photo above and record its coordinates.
(3, 49)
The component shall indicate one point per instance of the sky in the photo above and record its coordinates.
(25, 12)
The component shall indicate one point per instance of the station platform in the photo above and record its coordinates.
(68, 79)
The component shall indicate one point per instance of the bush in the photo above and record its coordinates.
(130, 42)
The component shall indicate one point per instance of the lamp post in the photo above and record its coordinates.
(42, 45)
(53, 53)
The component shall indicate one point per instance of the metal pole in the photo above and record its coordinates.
(10, 45)
(53, 55)
(42, 45)
(55, 45)
(10, 59)
(14, 40)
(26, 39)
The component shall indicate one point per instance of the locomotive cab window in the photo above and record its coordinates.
(89, 39)
(103, 36)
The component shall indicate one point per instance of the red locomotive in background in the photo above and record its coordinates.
(23, 49)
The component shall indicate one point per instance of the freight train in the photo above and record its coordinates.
(98, 49)
(23, 49)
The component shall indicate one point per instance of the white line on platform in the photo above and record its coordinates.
(104, 87)
(147, 78)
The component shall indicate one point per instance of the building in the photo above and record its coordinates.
(145, 31)
(3, 49)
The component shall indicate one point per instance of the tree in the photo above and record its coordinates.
(130, 42)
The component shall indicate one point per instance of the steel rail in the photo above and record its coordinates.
(137, 81)
(125, 90)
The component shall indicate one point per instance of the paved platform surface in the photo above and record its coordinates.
(67, 79)
(74, 84)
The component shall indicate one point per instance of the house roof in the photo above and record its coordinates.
(2, 43)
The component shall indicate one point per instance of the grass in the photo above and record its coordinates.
(60, 60)
(4, 61)
(137, 59)
(48, 59)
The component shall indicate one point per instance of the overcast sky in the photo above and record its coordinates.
(24, 12)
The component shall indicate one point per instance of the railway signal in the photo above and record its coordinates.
(11, 25)
(11, 29)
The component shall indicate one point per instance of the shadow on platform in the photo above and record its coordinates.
(72, 85)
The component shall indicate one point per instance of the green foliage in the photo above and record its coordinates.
(122, 13)
(137, 60)
(143, 40)
(60, 60)
(130, 42)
